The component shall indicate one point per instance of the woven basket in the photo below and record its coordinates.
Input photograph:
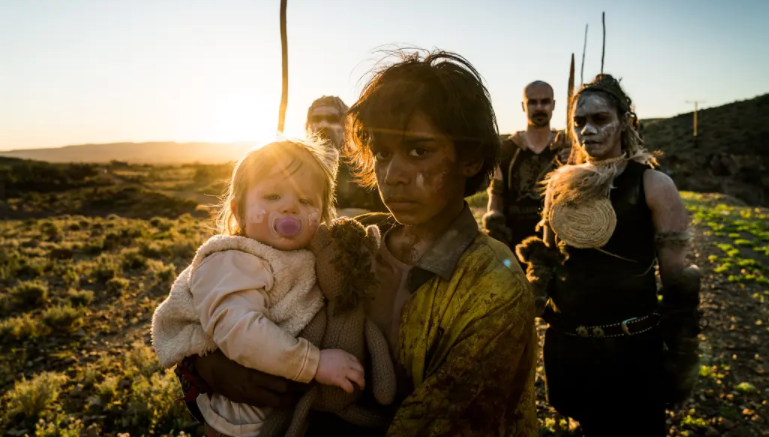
(587, 225)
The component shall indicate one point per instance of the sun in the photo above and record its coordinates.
(237, 118)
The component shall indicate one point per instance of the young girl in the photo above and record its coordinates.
(252, 289)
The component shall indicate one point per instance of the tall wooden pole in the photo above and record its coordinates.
(284, 54)
(570, 95)
(696, 102)
(603, 49)
(582, 69)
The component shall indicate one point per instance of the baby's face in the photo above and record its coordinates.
(283, 210)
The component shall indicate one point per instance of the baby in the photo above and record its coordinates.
(252, 289)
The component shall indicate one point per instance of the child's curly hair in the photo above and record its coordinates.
(260, 162)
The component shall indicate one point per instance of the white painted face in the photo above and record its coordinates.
(326, 121)
(283, 209)
(597, 127)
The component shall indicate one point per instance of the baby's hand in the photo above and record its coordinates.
(340, 369)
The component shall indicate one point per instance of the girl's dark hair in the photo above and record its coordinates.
(442, 85)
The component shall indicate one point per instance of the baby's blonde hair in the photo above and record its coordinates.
(259, 163)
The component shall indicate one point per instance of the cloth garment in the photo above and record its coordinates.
(594, 379)
(466, 338)
(522, 174)
(251, 301)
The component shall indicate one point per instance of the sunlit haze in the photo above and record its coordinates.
(96, 71)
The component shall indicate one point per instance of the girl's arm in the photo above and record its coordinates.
(228, 291)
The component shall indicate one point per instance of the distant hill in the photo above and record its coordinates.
(731, 155)
(145, 153)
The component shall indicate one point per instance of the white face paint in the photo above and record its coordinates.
(597, 126)
(256, 214)
(420, 180)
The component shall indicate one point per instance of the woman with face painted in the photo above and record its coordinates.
(614, 357)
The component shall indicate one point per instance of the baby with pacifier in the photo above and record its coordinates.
(252, 289)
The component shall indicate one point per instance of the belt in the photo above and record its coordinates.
(629, 327)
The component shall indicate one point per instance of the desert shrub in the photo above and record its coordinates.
(60, 425)
(183, 249)
(63, 317)
(73, 227)
(31, 293)
(89, 375)
(118, 285)
(150, 249)
(152, 399)
(141, 360)
(161, 223)
(133, 259)
(80, 297)
(94, 246)
(71, 277)
(5, 302)
(105, 268)
(162, 272)
(62, 253)
(34, 396)
(107, 389)
(10, 262)
(31, 267)
(50, 230)
(111, 240)
(22, 327)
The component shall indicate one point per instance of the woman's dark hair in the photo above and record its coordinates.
(442, 85)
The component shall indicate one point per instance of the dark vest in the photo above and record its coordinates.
(522, 174)
(615, 282)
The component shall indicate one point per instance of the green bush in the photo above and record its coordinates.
(162, 272)
(34, 396)
(31, 293)
(21, 327)
(60, 425)
(153, 399)
(141, 360)
(80, 297)
(133, 259)
(118, 285)
(107, 389)
(106, 268)
(63, 317)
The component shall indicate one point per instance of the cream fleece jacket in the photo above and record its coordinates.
(249, 300)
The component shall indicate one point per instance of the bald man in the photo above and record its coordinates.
(515, 200)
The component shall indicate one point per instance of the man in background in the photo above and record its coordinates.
(325, 119)
(515, 194)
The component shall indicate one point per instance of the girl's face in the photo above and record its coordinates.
(597, 126)
(283, 210)
(419, 174)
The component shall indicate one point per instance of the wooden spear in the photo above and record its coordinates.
(284, 54)
(603, 48)
(582, 69)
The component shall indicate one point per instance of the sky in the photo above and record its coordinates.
(101, 71)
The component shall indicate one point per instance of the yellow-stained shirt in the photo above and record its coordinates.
(467, 341)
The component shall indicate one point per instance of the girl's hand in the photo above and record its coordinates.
(340, 369)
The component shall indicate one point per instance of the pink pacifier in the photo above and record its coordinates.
(288, 226)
